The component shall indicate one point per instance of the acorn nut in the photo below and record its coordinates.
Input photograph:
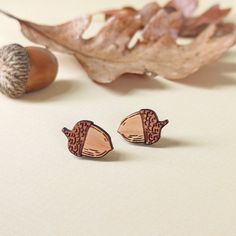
(25, 69)
(88, 140)
(142, 127)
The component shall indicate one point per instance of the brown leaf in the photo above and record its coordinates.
(164, 57)
(112, 12)
(186, 7)
(190, 26)
(214, 15)
(64, 38)
(106, 56)
(165, 23)
(224, 29)
(148, 11)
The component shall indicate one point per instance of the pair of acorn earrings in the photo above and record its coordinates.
(89, 140)
(21, 72)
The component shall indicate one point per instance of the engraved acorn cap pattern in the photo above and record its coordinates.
(151, 125)
(88, 140)
(142, 127)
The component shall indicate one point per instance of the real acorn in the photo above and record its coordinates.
(88, 140)
(25, 69)
(142, 127)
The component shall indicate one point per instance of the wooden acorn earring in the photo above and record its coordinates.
(142, 127)
(88, 140)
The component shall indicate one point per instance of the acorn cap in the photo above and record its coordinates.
(88, 140)
(24, 70)
(14, 70)
(142, 127)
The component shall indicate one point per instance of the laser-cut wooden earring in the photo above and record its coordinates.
(142, 127)
(88, 140)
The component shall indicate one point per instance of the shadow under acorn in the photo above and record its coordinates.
(211, 76)
(171, 143)
(165, 143)
(56, 91)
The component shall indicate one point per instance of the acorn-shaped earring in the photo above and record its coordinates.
(88, 140)
(25, 69)
(142, 127)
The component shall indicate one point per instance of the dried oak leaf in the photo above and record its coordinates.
(191, 26)
(106, 56)
(186, 7)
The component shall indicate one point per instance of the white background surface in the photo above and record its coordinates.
(183, 186)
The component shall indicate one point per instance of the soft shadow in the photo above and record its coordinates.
(112, 156)
(127, 83)
(167, 143)
(57, 90)
(231, 53)
(171, 143)
(212, 76)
